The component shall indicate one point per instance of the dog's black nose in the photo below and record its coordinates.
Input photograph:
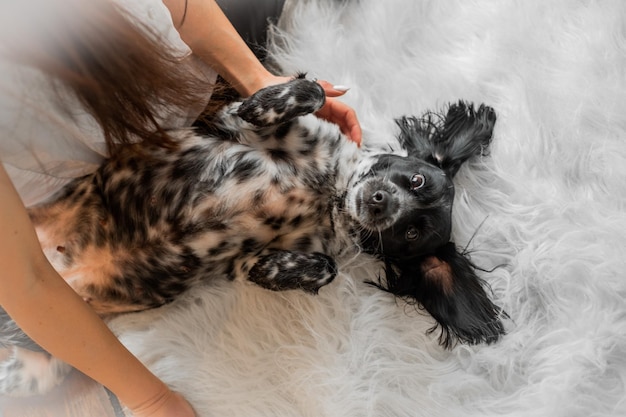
(378, 203)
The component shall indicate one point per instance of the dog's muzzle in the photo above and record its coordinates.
(375, 204)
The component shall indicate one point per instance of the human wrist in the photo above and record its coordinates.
(152, 403)
(166, 403)
(253, 81)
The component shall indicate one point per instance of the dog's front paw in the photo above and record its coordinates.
(286, 270)
(283, 102)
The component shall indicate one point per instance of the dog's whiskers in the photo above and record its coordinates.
(380, 242)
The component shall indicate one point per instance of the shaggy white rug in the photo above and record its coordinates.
(549, 205)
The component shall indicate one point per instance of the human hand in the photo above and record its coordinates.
(333, 110)
(340, 113)
(171, 404)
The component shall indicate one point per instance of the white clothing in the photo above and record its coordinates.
(42, 145)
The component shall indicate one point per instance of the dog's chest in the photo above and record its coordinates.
(269, 198)
(263, 211)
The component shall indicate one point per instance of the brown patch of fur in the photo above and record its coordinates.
(435, 270)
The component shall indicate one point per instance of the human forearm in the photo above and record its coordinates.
(53, 315)
(67, 328)
(211, 36)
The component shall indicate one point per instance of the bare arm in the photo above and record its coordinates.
(53, 315)
(210, 35)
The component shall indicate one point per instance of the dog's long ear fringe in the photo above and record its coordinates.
(451, 140)
(466, 132)
(446, 286)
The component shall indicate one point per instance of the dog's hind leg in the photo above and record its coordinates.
(25, 372)
(25, 368)
(280, 270)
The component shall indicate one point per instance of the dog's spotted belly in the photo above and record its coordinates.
(224, 237)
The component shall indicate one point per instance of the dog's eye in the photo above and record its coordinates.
(417, 181)
(412, 233)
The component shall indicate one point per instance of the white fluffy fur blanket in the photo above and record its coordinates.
(548, 205)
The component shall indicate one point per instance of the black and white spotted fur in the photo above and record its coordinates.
(271, 194)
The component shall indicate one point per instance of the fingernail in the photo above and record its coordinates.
(341, 88)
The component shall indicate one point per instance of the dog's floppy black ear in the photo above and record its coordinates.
(451, 140)
(446, 285)
(466, 132)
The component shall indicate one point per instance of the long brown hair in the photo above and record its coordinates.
(116, 68)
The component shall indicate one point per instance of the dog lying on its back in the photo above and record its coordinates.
(273, 195)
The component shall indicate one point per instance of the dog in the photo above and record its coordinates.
(271, 194)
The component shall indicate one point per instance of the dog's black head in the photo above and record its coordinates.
(404, 205)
